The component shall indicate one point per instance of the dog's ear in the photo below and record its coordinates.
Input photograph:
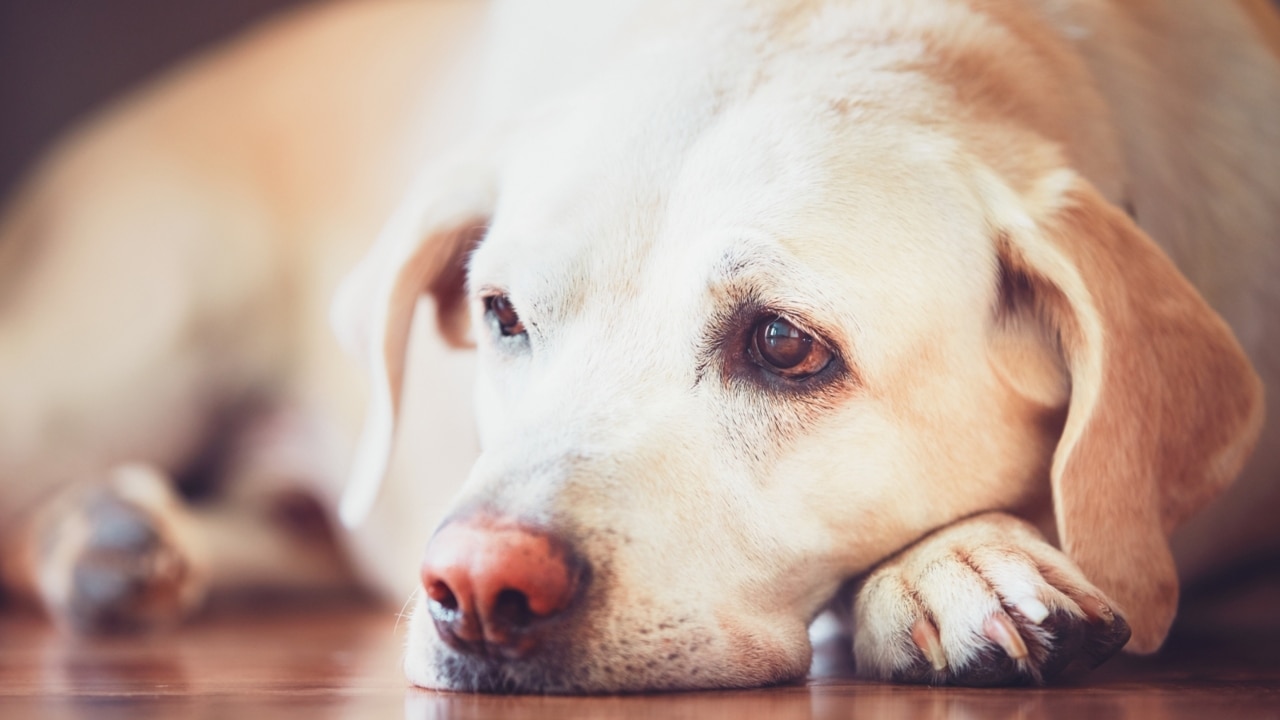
(1164, 405)
(422, 250)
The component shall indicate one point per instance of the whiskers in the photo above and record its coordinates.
(404, 613)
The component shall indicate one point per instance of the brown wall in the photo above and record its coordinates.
(61, 58)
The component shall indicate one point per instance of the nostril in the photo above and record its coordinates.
(511, 609)
(440, 593)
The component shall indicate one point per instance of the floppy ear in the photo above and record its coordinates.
(1164, 406)
(422, 250)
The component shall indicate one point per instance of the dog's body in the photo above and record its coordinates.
(930, 194)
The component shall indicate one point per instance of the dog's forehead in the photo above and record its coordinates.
(663, 187)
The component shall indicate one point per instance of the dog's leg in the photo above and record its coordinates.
(137, 310)
(128, 553)
(985, 601)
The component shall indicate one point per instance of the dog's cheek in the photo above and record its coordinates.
(766, 651)
(847, 494)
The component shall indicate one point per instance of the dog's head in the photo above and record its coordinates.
(742, 334)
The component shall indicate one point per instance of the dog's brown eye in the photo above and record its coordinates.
(780, 347)
(509, 323)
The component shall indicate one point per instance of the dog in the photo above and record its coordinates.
(695, 320)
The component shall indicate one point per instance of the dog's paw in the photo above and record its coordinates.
(113, 557)
(982, 602)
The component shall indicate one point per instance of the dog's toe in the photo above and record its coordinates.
(113, 559)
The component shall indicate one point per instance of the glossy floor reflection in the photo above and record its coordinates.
(343, 663)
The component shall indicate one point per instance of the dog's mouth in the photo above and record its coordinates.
(607, 655)
(469, 672)
(562, 670)
(548, 676)
(575, 661)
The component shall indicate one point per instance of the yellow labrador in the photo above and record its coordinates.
(960, 305)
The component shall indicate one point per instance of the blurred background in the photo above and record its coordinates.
(62, 58)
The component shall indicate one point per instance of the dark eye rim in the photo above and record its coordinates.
(494, 310)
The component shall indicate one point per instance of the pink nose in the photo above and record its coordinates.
(492, 584)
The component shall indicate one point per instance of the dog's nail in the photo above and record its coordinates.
(1096, 610)
(1001, 630)
(926, 638)
(1032, 609)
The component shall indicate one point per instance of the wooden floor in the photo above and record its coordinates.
(343, 663)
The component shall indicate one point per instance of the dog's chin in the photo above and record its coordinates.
(444, 669)
(691, 663)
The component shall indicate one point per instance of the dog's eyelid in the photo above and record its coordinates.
(753, 293)
(804, 320)
(489, 290)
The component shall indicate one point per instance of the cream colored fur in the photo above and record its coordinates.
(1033, 392)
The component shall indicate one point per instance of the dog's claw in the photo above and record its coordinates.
(1000, 629)
(1032, 609)
(1096, 610)
(925, 636)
